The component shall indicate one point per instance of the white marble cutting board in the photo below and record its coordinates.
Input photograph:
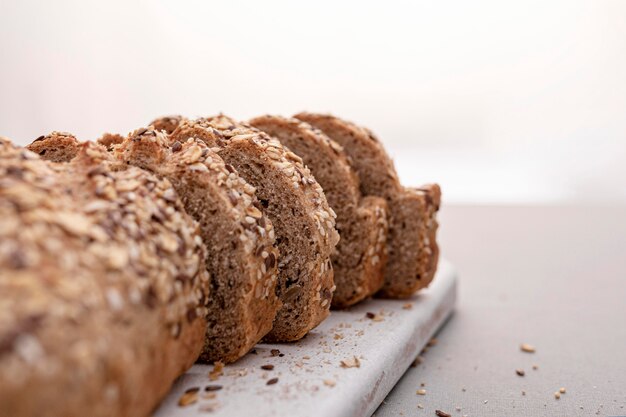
(311, 378)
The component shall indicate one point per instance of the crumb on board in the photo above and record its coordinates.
(275, 352)
(218, 370)
(407, 306)
(420, 406)
(535, 367)
(525, 347)
(562, 390)
(351, 362)
(421, 391)
(210, 388)
(557, 395)
(440, 413)
(189, 397)
(520, 372)
(330, 382)
(374, 316)
(417, 361)
(432, 342)
(267, 367)
(271, 381)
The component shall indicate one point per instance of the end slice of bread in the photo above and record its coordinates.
(410, 265)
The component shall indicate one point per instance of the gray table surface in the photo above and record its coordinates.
(553, 277)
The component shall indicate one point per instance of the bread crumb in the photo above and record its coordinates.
(271, 381)
(421, 392)
(329, 382)
(432, 342)
(267, 367)
(218, 370)
(420, 406)
(520, 372)
(525, 347)
(275, 352)
(557, 395)
(374, 316)
(535, 367)
(418, 360)
(351, 362)
(407, 306)
(338, 336)
(562, 390)
(440, 413)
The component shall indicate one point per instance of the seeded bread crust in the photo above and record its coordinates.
(110, 140)
(101, 307)
(240, 240)
(292, 199)
(412, 260)
(55, 147)
(360, 256)
(167, 123)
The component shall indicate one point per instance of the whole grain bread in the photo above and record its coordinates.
(167, 123)
(55, 147)
(360, 256)
(101, 306)
(412, 258)
(295, 203)
(241, 258)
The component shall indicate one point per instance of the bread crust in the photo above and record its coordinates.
(242, 146)
(360, 256)
(56, 146)
(412, 247)
(101, 307)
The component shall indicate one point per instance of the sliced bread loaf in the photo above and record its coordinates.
(295, 203)
(360, 256)
(101, 307)
(240, 240)
(411, 264)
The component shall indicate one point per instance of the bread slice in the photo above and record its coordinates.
(167, 123)
(360, 256)
(242, 258)
(101, 308)
(110, 140)
(294, 201)
(412, 262)
(55, 147)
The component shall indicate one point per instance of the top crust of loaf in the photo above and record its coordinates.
(410, 266)
(110, 140)
(361, 253)
(167, 124)
(56, 146)
(241, 144)
(89, 286)
(245, 275)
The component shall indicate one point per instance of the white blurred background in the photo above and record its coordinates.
(500, 102)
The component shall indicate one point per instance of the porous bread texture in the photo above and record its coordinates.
(360, 257)
(240, 239)
(56, 146)
(101, 307)
(411, 263)
(110, 140)
(294, 201)
(167, 124)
